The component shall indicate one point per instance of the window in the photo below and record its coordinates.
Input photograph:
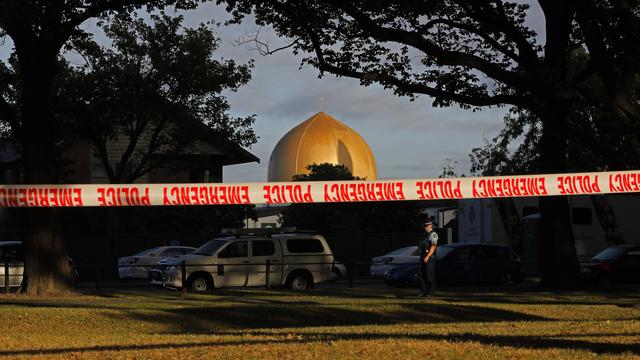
(442, 251)
(581, 216)
(234, 250)
(481, 253)
(304, 246)
(400, 251)
(463, 254)
(262, 247)
(496, 253)
(210, 247)
(610, 253)
(147, 252)
(187, 250)
(172, 252)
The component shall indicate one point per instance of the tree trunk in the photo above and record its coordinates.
(559, 262)
(46, 263)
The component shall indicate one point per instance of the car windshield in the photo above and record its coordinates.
(610, 253)
(443, 251)
(400, 251)
(147, 252)
(210, 247)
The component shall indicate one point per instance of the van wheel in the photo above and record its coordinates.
(200, 284)
(299, 281)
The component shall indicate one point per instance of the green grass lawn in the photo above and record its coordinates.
(336, 324)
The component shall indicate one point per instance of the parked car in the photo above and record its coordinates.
(338, 271)
(464, 263)
(298, 261)
(12, 253)
(138, 265)
(615, 264)
(381, 264)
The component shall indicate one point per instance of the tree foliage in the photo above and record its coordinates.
(39, 29)
(157, 87)
(596, 141)
(381, 217)
(470, 53)
(326, 172)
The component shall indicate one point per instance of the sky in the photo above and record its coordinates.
(409, 139)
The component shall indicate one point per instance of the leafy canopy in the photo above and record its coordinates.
(384, 217)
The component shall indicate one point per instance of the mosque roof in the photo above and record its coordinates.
(321, 139)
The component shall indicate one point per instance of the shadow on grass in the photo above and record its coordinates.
(206, 319)
(538, 296)
(36, 303)
(513, 341)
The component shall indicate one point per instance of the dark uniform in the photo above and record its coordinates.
(427, 272)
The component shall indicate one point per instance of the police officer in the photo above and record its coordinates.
(427, 273)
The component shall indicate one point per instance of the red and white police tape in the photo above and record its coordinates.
(318, 191)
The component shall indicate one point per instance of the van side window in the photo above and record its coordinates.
(262, 248)
(234, 250)
(304, 246)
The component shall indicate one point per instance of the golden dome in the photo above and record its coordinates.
(321, 139)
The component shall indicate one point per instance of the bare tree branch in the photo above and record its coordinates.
(261, 46)
(474, 30)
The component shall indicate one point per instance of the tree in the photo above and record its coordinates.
(156, 92)
(326, 172)
(475, 54)
(392, 216)
(596, 141)
(158, 89)
(449, 169)
(39, 29)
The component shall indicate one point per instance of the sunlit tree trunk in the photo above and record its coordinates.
(46, 263)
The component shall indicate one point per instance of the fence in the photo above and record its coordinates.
(272, 273)
(354, 250)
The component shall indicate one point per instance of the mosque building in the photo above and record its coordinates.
(321, 139)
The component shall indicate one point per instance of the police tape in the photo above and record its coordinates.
(318, 191)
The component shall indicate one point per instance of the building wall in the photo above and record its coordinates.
(625, 209)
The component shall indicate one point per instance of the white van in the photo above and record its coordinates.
(297, 261)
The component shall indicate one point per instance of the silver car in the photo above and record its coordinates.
(405, 255)
(138, 265)
(11, 254)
